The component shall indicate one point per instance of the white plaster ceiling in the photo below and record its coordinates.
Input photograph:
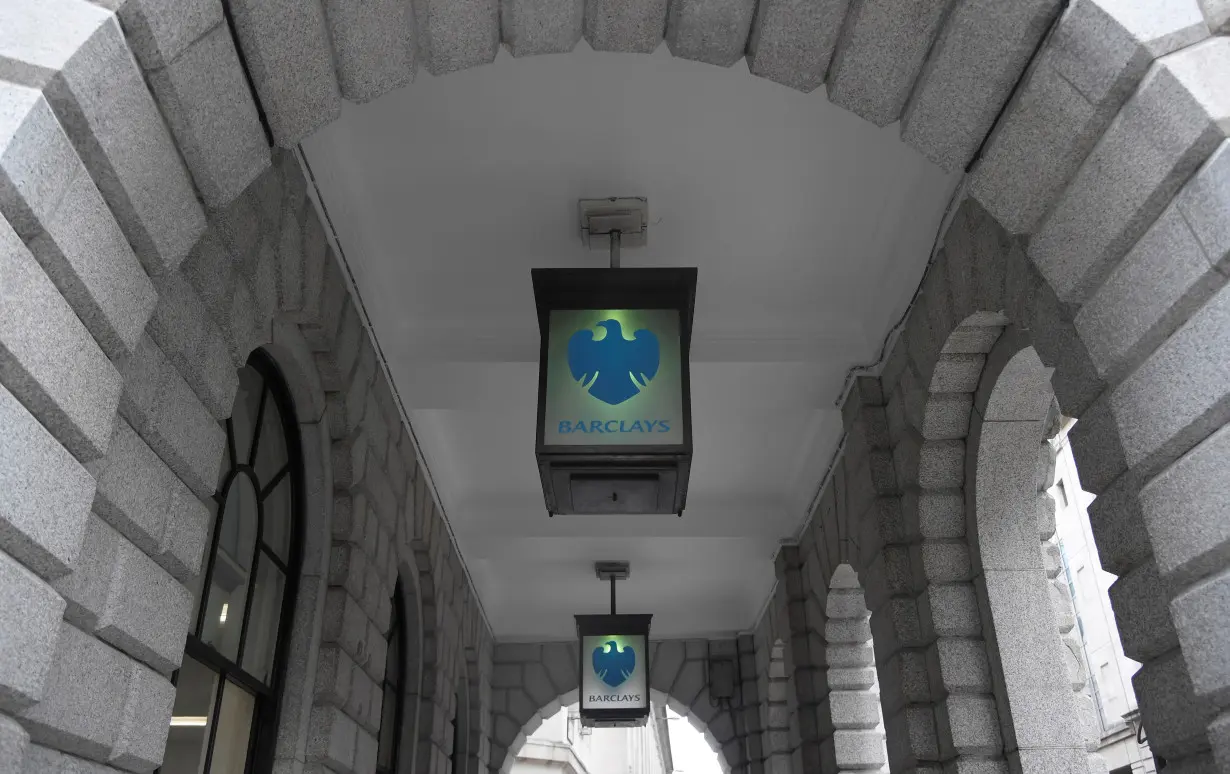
(810, 228)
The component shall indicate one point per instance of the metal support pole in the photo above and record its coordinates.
(613, 590)
(615, 240)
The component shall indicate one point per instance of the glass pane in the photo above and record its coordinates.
(195, 689)
(271, 445)
(277, 519)
(243, 416)
(264, 620)
(388, 732)
(392, 664)
(195, 586)
(234, 730)
(232, 566)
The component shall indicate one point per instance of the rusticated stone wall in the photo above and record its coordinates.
(150, 240)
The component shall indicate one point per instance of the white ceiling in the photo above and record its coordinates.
(810, 228)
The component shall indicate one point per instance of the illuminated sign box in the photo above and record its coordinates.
(614, 428)
(614, 669)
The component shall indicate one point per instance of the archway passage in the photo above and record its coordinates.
(533, 681)
(139, 130)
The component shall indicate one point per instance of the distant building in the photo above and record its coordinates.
(561, 745)
(1110, 671)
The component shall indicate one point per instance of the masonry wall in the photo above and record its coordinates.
(119, 364)
(150, 240)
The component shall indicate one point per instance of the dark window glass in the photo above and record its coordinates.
(394, 695)
(225, 714)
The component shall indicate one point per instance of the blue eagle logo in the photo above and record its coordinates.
(613, 665)
(613, 368)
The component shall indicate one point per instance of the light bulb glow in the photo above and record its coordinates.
(222, 618)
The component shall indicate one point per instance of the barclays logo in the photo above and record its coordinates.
(613, 369)
(614, 665)
(615, 426)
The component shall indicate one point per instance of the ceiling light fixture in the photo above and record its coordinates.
(192, 721)
(614, 431)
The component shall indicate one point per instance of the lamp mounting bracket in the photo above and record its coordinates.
(612, 571)
(623, 218)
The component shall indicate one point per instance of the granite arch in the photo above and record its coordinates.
(197, 208)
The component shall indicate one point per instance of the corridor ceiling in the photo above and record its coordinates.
(810, 229)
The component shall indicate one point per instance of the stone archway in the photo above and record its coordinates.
(140, 131)
(532, 681)
(1045, 726)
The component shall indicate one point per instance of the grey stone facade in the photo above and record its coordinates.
(150, 240)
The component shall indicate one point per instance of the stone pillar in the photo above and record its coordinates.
(854, 698)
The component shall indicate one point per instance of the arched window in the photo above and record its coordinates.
(458, 760)
(394, 696)
(226, 690)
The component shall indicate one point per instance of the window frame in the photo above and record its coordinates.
(397, 623)
(267, 699)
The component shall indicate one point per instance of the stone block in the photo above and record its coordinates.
(332, 737)
(957, 373)
(146, 612)
(160, 30)
(145, 721)
(792, 42)
(859, 749)
(1177, 397)
(373, 46)
(1006, 486)
(457, 34)
(1203, 203)
(1061, 603)
(54, 207)
(1139, 601)
(84, 697)
(532, 27)
(1097, 448)
(879, 54)
(86, 588)
(940, 515)
(101, 99)
(204, 95)
(287, 50)
(167, 414)
(210, 269)
(628, 26)
(945, 562)
(1187, 511)
(45, 494)
(1159, 138)
(941, 464)
(946, 416)
(30, 613)
(970, 73)
(49, 360)
(711, 32)
(145, 501)
(1090, 64)
(959, 665)
(1162, 280)
(971, 722)
(954, 610)
(14, 742)
(322, 333)
(186, 334)
(1200, 618)
(1174, 716)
